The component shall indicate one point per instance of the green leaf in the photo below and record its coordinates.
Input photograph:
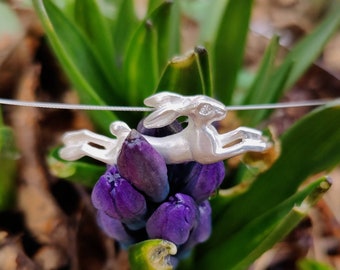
(8, 158)
(78, 59)
(309, 147)
(187, 75)
(261, 233)
(109, 8)
(309, 48)
(271, 82)
(125, 26)
(204, 69)
(152, 255)
(198, 11)
(228, 47)
(89, 18)
(174, 31)
(258, 91)
(287, 223)
(80, 172)
(141, 67)
(153, 5)
(168, 33)
(309, 264)
(67, 6)
(141, 62)
(274, 89)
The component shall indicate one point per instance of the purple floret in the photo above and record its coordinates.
(173, 220)
(204, 180)
(101, 193)
(114, 228)
(119, 199)
(144, 167)
(202, 231)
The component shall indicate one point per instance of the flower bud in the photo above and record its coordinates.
(173, 220)
(144, 167)
(114, 228)
(201, 232)
(177, 174)
(203, 180)
(119, 199)
(101, 193)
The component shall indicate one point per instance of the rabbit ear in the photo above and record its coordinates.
(163, 98)
(160, 118)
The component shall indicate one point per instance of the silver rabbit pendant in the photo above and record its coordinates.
(198, 141)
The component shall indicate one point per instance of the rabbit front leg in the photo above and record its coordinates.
(247, 145)
(238, 135)
(241, 140)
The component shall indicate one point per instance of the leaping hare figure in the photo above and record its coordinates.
(199, 141)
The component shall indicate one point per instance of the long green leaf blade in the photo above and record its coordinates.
(273, 94)
(258, 91)
(198, 10)
(174, 31)
(89, 18)
(78, 59)
(270, 83)
(204, 69)
(309, 147)
(153, 5)
(286, 224)
(261, 233)
(141, 71)
(126, 25)
(305, 151)
(168, 37)
(273, 89)
(309, 264)
(228, 47)
(309, 48)
(185, 75)
(95, 26)
(8, 158)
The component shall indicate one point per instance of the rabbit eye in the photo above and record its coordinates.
(205, 110)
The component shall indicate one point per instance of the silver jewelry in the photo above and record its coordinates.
(198, 141)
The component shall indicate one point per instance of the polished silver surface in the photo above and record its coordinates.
(199, 141)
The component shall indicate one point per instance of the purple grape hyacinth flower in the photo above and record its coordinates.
(101, 193)
(119, 199)
(202, 231)
(114, 228)
(204, 180)
(174, 219)
(144, 167)
(142, 197)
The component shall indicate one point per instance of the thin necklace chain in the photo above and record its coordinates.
(64, 106)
